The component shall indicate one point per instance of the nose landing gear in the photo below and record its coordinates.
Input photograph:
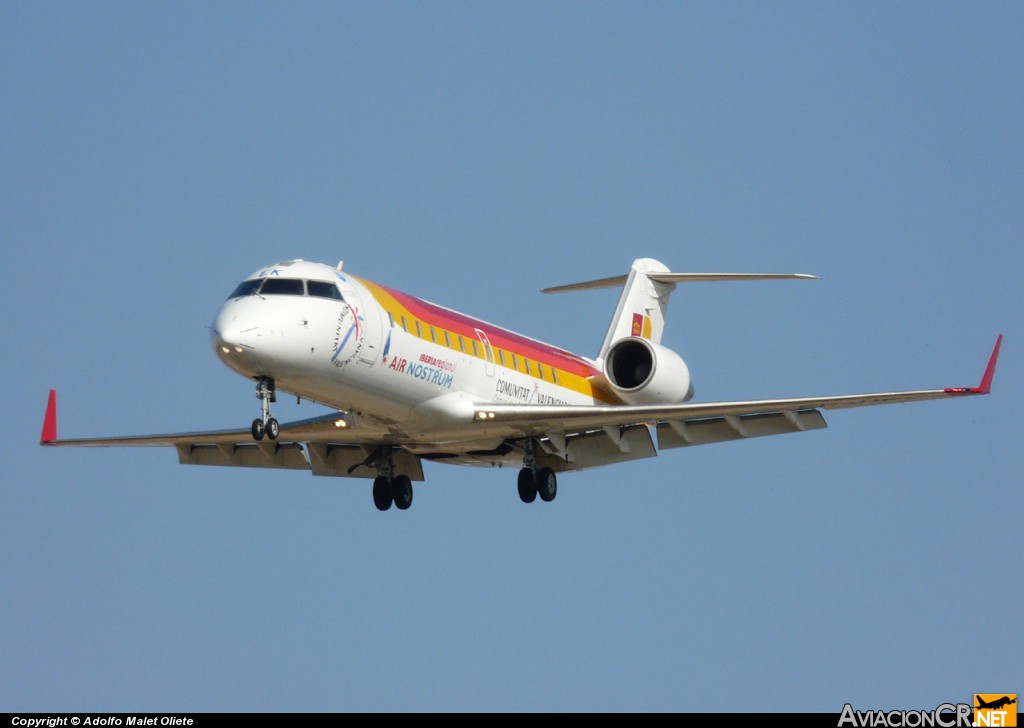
(265, 425)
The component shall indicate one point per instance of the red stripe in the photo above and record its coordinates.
(501, 338)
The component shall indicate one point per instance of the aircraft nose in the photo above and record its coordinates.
(232, 332)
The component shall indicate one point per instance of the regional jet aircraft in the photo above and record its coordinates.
(407, 381)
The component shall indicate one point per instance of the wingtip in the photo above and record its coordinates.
(985, 386)
(986, 380)
(49, 433)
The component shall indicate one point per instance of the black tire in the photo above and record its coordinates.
(382, 493)
(547, 484)
(401, 489)
(273, 428)
(527, 486)
(258, 430)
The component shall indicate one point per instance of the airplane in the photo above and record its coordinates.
(407, 380)
(995, 704)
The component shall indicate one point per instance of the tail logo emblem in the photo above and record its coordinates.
(641, 326)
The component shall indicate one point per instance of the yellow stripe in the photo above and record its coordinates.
(566, 380)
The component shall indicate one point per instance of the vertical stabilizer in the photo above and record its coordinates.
(642, 306)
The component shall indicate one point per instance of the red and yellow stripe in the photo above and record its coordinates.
(458, 332)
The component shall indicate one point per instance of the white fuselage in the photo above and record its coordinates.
(395, 362)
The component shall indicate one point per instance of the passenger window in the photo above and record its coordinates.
(419, 330)
(540, 370)
(554, 375)
(476, 350)
(323, 289)
(526, 363)
(501, 357)
(462, 345)
(282, 287)
(405, 326)
(245, 288)
(391, 320)
(515, 363)
(447, 340)
(433, 335)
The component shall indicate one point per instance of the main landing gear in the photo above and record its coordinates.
(265, 425)
(397, 490)
(533, 482)
(389, 488)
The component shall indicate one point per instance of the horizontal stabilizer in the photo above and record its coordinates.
(643, 302)
(618, 281)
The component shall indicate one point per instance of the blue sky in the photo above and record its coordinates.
(152, 155)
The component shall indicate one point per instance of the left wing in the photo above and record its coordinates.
(699, 423)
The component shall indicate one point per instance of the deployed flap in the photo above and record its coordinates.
(289, 455)
(338, 460)
(592, 449)
(682, 433)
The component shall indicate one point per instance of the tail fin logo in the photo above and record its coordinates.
(995, 709)
(641, 326)
(638, 324)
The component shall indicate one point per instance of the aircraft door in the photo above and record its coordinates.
(488, 351)
(370, 351)
(359, 328)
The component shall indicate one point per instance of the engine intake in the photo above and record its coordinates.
(642, 372)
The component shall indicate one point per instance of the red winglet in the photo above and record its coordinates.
(986, 380)
(50, 421)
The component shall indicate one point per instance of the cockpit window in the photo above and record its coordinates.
(282, 287)
(323, 289)
(286, 287)
(245, 288)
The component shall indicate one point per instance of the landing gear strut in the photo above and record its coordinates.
(265, 425)
(533, 482)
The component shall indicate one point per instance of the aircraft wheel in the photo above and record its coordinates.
(527, 486)
(401, 488)
(258, 429)
(273, 428)
(382, 493)
(547, 484)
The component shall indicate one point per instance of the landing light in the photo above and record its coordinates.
(340, 423)
(238, 349)
(225, 349)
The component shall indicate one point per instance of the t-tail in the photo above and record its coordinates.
(637, 368)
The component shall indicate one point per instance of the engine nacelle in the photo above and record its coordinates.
(642, 372)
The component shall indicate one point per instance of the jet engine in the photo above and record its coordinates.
(642, 372)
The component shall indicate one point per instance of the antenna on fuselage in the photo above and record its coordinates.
(341, 264)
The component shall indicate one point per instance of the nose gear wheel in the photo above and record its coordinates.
(265, 425)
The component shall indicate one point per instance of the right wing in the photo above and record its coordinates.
(333, 449)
